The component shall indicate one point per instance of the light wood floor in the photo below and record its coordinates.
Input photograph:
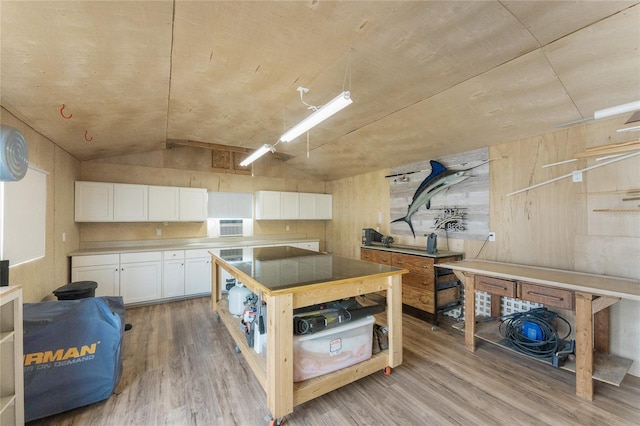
(180, 368)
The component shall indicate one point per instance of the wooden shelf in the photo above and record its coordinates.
(11, 371)
(607, 368)
(306, 390)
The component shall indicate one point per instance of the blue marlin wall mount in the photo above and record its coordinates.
(438, 180)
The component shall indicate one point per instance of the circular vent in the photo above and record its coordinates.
(14, 154)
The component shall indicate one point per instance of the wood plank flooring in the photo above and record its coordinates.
(180, 368)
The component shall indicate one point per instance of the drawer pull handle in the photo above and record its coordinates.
(548, 296)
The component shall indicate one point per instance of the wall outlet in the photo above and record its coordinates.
(492, 236)
(158, 231)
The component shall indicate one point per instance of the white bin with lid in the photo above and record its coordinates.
(332, 349)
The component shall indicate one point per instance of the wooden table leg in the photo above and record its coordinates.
(280, 355)
(584, 346)
(394, 320)
(215, 285)
(469, 312)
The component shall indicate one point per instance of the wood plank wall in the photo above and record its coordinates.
(553, 226)
(40, 277)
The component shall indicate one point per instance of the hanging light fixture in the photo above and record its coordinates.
(257, 154)
(336, 104)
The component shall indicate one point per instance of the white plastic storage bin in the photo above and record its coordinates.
(332, 349)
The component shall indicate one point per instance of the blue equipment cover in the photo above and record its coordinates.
(72, 353)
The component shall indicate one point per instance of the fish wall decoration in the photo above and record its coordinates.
(438, 180)
(439, 185)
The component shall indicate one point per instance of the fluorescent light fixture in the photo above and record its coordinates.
(629, 129)
(615, 110)
(257, 154)
(336, 104)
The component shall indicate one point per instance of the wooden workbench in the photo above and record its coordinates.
(288, 278)
(592, 296)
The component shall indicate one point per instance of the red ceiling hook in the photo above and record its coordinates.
(86, 138)
(65, 116)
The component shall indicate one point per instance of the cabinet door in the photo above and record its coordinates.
(290, 205)
(197, 277)
(193, 204)
(130, 203)
(164, 204)
(107, 277)
(173, 278)
(141, 282)
(307, 206)
(268, 205)
(93, 202)
(324, 206)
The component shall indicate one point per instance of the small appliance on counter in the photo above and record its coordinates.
(372, 237)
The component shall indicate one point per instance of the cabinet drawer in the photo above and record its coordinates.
(375, 256)
(415, 264)
(551, 296)
(495, 286)
(448, 295)
(95, 260)
(148, 256)
(418, 298)
(424, 282)
(422, 299)
(173, 254)
(197, 253)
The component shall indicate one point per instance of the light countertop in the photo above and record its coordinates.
(111, 247)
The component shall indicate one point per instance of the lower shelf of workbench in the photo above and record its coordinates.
(607, 368)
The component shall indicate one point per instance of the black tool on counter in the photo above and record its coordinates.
(432, 243)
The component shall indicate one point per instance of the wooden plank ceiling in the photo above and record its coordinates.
(427, 78)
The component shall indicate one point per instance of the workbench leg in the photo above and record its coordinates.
(584, 346)
(279, 386)
(394, 320)
(469, 312)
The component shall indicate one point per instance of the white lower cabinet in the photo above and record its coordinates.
(197, 276)
(141, 276)
(156, 275)
(173, 273)
(104, 269)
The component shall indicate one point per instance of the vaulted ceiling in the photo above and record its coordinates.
(428, 78)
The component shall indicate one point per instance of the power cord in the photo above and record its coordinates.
(546, 342)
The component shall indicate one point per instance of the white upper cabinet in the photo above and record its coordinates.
(268, 205)
(290, 205)
(164, 204)
(324, 206)
(130, 203)
(193, 204)
(94, 202)
(117, 202)
(277, 205)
